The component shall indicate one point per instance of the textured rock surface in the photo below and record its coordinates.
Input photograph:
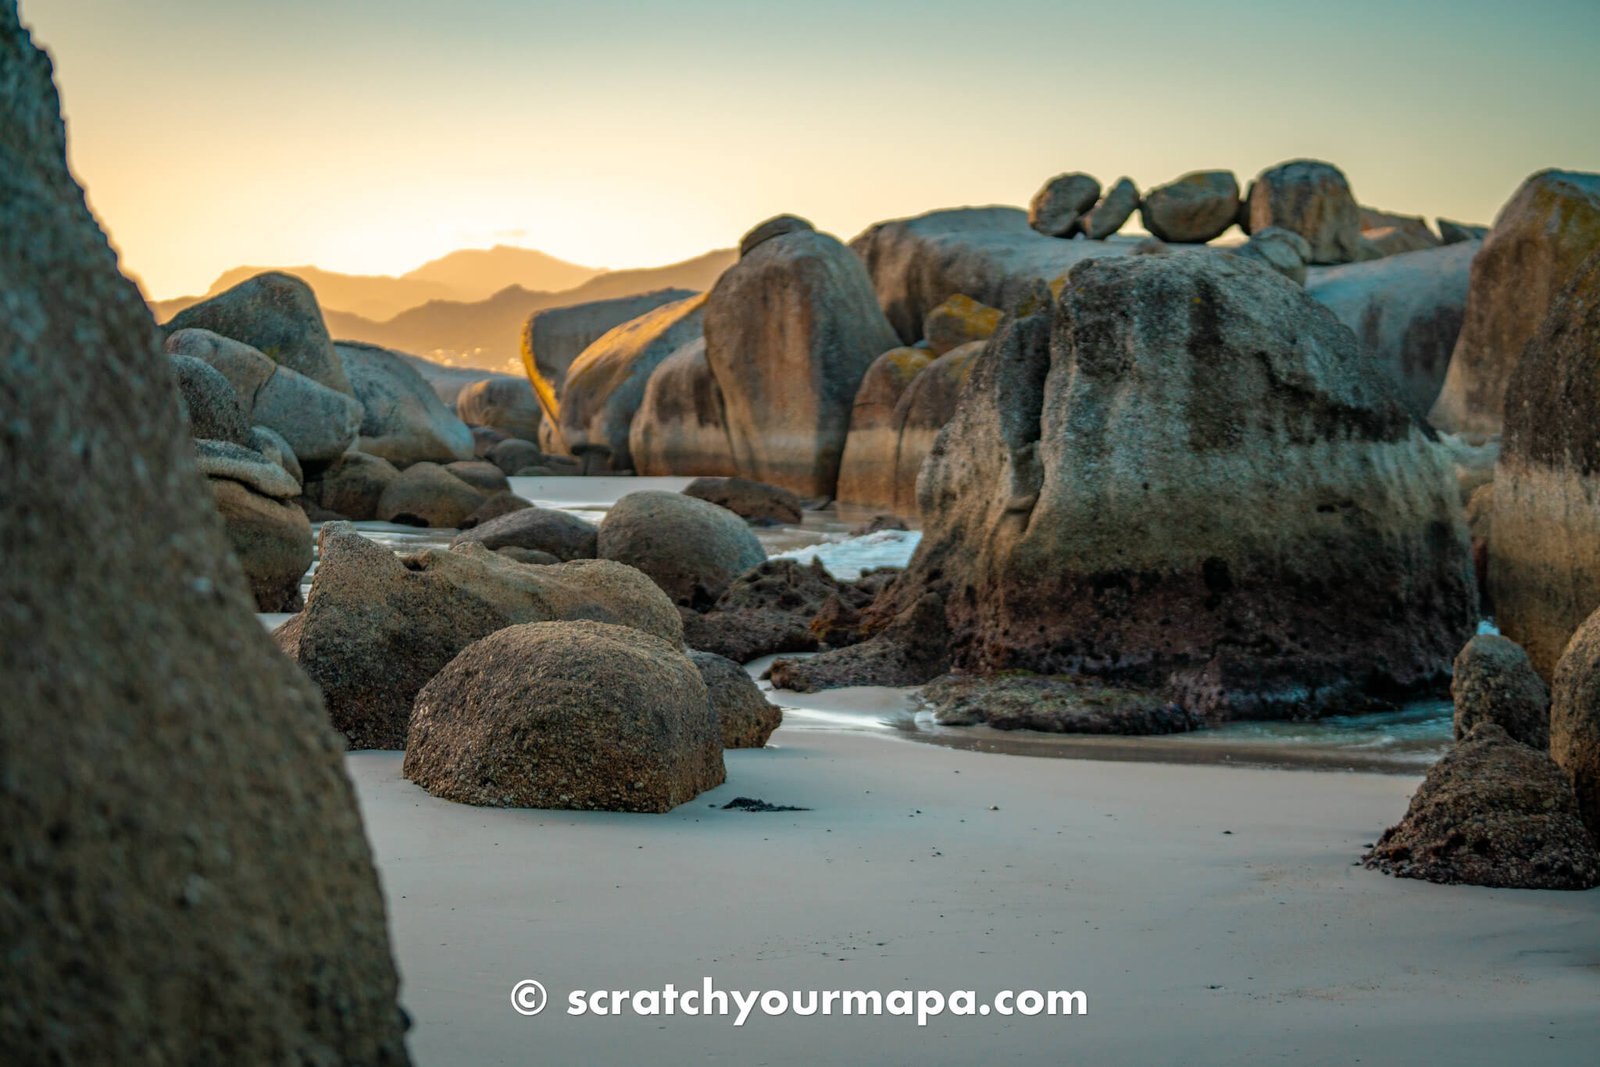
(560, 533)
(376, 626)
(513, 454)
(681, 426)
(1455, 232)
(482, 475)
(183, 870)
(567, 715)
(776, 226)
(209, 401)
(276, 314)
(1061, 202)
(746, 717)
(1114, 209)
(1494, 682)
(1052, 704)
(790, 329)
(914, 648)
(871, 451)
(1540, 239)
(496, 506)
(404, 420)
(1492, 812)
(272, 539)
(352, 485)
(426, 494)
(1193, 209)
(504, 403)
(922, 412)
(1414, 226)
(770, 608)
(690, 548)
(1406, 309)
(1313, 199)
(246, 369)
(764, 505)
(319, 422)
(1188, 475)
(1575, 719)
(1281, 250)
(959, 320)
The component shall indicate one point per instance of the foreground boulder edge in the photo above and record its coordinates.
(183, 867)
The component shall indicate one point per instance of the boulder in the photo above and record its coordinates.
(1061, 202)
(690, 548)
(318, 422)
(1406, 309)
(560, 533)
(1277, 249)
(1193, 209)
(246, 369)
(513, 454)
(1414, 226)
(1392, 241)
(745, 716)
(922, 411)
(183, 870)
(252, 469)
(426, 494)
(959, 320)
(605, 385)
(1313, 199)
(376, 626)
(272, 539)
(352, 485)
(482, 475)
(526, 555)
(404, 420)
(776, 226)
(1575, 719)
(1540, 239)
(1113, 210)
(990, 254)
(1187, 476)
(1480, 523)
(1455, 232)
(768, 609)
(1494, 682)
(914, 648)
(209, 401)
(497, 505)
(1058, 704)
(270, 443)
(681, 427)
(868, 467)
(506, 404)
(484, 438)
(790, 329)
(566, 715)
(277, 315)
(1492, 812)
(1544, 561)
(764, 505)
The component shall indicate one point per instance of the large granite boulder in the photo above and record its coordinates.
(745, 716)
(482, 475)
(246, 369)
(1060, 203)
(1414, 226)
(921, 413)
(352, 485)
(763, 505)
(183, 870)
(426, 494)
(1575, 719)
(567, 715)
(210, 402)
(958, 321)
(1540, 238)
(1406, 309)
(277, 314)
(1312, 199)
(1193, 209)
(681, 426)
(770, 608)
(1492, 812)
(272, 538)
(376, 626)
(790, 329)
(1114, 209)
(867, 470)
(560, 533)
(403, 420)
(320, 423)
(605, 385)
(1277, 249)
(504, 403)
(690, 548)
(776, 226)
(1544, 558)
(1494, 682)
(1188, 476)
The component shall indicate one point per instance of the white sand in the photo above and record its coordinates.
(1195, 946)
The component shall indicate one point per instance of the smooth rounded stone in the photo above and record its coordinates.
(1540, 239)
(404, 420)
(526, 555)
(1058, 704)
(481, 475)
(744, 715)
(924, 408)
(494, 507)
(1406, 309)
(270, 443)
(246, 369)
(186, 878)
(566, 715)
(1455, 232)
(513, 454)
(1194, 209)
(223, 459)
(1544, 560)
(318, 422)
(1112, 212)
(958, 321)
(1313, 199)
(210, 402)
(776, 226)
(1494, 682)
(681, 427)
(990, 254)
(426, 494)
(1414, 226)
(1283, 251)
(764, 505)
(690, 548)
(271, 537)
(1130, 490)
(606, 384)
(506, 404)
(554, 337)
(376, 626)
(790, 329)
(871, 451)
(560, 533)
(914, 648)
(277, 315)
(1492, 812)
(352, 485)
(484, 438)
(1392, 241)
(1060, 202)
(1575, 719)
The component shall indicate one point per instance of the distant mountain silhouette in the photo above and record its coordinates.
(479, 273)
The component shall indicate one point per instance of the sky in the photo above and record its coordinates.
(372, 135)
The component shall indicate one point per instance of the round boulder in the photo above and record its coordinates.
(1194, 209)
(426, 494)
(757, 502)
(560, 533)
(506, 404)
(1312, 199)
(776, 226)
(1494, 682)
(1061, 202)
(352, 485)
(212, 404)
(692, 549)
(745, 717)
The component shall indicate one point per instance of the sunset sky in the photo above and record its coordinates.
(371, 135)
